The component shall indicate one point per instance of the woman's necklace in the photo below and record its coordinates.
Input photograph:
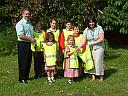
(92, 34)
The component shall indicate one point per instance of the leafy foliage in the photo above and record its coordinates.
(8, 41)
(115, 16)
(43, 10)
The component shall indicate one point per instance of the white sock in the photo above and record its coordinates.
(52, 78)
(49, 78)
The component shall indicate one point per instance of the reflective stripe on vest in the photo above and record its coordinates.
(87, 59)
(73, 59)
(50, 56)
(50, 53)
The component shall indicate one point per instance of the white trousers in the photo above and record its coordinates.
(98, 56)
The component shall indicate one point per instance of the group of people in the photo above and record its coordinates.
(46, 48)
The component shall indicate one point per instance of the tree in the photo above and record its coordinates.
(43, 10)
(115, 16)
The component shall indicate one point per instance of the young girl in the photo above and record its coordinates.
(71, 65)
(64, 35)
(50, 56)
(38, 51)
(53, 28)
(78, 38)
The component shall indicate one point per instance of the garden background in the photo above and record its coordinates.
(112, 15)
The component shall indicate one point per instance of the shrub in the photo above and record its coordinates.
(8, 41)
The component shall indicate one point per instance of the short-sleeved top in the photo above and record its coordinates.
(93, 35)
(24, 27)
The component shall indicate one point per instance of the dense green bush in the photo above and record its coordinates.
(8, 41)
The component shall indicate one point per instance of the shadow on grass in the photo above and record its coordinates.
(109, 72)
(60, 73)
(40, 76)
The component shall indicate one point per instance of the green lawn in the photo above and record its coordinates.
(115, 83)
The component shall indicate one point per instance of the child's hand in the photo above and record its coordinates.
(76, 50)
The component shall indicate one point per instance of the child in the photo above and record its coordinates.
(78, 38)
(50, 56)
(71, 65)
(64, 35)
(56, 32)
(38, 51)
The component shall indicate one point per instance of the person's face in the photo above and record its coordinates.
(76, 30)
(53, 24)
(38, 27)
(91, 24)
(51, 39)
(69, 25)
(71, 41)
(26, 15)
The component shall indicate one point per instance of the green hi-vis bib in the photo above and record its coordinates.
(87, 59)
(39, 38)
(66, 34)
(56, 35)
(73, 59)
(50, 54)
(78, 42)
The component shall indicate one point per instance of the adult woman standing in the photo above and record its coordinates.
(94, 36)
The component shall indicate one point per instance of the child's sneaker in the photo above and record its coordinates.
(69, 81)
(52, 78)
(49, 81)
(73, 81)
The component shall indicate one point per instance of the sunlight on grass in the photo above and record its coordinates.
(115, 83)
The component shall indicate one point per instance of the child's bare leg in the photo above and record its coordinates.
(52, 75)
(93, 77)
(49, 75)
(101, 77)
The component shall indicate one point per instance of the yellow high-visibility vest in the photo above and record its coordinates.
(78, 41)
(73, 58)
(50, 54)
(87, 59)
(56, 35)
(66, 34)
(39, 38)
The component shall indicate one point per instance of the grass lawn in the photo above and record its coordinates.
(115, 83)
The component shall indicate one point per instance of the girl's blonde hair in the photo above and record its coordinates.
(70, 37)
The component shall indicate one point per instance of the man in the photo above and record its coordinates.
(24, 31)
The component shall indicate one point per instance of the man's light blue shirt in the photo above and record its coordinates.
(24, 27)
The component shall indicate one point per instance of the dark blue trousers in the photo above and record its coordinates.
(39, 64)
(24, 59)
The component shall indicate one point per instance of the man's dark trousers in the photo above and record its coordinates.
(24, 59)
